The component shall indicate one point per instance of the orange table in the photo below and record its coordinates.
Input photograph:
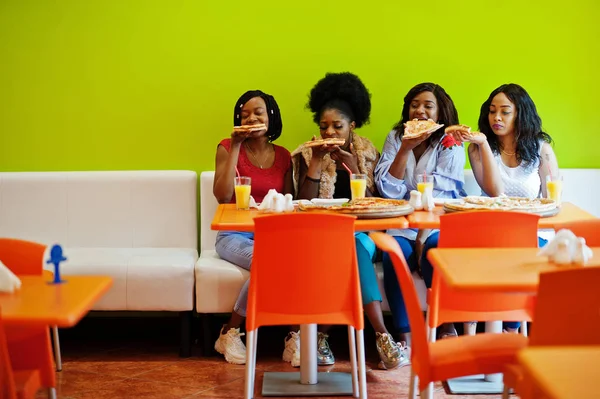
(229, 218)
(63, 305)
(568, 213)
(502, 270)
(560, 372)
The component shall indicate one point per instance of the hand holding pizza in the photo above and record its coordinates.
(320, 147)
(350, 159)
(463, 133)
(408, 143)
(241, 133)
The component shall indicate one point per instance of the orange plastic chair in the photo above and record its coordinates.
(30, 347)
(22, 384)
(588, 229)
(480, 229)
(297, 248)
(565, 298)
(448, 358)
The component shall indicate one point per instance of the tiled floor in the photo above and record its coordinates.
(139, 359)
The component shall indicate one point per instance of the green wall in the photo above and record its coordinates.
(126, 84)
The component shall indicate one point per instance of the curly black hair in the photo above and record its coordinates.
(447, 113)
(528, 124)
(344, 92)
(275, 123)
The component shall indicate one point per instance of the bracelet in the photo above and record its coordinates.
(313, 180)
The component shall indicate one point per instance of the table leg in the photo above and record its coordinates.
(493, 327)
(308, 354)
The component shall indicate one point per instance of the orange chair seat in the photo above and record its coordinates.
(474, 354)
(27, 383)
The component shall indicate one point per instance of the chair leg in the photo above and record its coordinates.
(470, 327)
(254, 357)
(52, 393)
(432, 334)
(250, 358)
(362, 376)
(427, 393)
(506, 392)
(524, 328)
(352, 348)
(412, 389)
(56, 342)
(185, 349)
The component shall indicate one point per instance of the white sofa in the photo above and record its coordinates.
(138, 227)
(218, 282)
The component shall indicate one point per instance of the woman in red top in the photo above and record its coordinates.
(268, 165)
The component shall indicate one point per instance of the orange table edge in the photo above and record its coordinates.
(227, 218)
(61, 305)
(502, 270)
(568, 213)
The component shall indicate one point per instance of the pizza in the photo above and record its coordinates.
(521, 204)
(463, 129)
(419, 127)
(250, 128)
(320, 142)
(361, 205)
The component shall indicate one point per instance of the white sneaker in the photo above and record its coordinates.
(231, 346)
(291, 353)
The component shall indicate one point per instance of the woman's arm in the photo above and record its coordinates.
(449, 174)
(548, 165)
(388, 185)
(308, 188)
(288, 182)
(485, 168)
(225, 163)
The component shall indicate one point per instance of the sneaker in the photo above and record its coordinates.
(291, 353)
(324, 354)
(231, 346)
(391, 353)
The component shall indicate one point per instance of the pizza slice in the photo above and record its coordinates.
(419, 127)
(464, 130)
(250, 128)
(320, 142)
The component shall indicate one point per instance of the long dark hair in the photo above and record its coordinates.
(275, 123)
(447, 113)
(528, 124)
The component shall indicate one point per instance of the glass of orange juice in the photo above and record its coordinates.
(424, 183)
(242, 192)
(358, 185)
(554, 186)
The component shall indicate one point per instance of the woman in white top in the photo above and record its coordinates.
(515, 156)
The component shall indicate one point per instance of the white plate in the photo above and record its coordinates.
(329, 202)
(302, 201)
(442, 201)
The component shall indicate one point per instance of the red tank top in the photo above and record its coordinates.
(262, 179)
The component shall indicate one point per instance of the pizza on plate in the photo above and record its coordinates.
(472, 202)
(464, 130)
(250, 128)
(419, 127)
(320, 142)
(361, 205)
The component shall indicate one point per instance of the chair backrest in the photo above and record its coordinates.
(588, 229)
(7, 380)
(22, 257)
(420, 346)
(488, 229)
(304, 270)
(567, 310)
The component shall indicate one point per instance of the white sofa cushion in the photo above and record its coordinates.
(143, 278)
(139, 227)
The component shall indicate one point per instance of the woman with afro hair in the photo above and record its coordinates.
(396, 174)
(340, 104)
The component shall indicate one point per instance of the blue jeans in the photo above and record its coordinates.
(237, 248)
(365, 254)
(390, 281)
(392, 288)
